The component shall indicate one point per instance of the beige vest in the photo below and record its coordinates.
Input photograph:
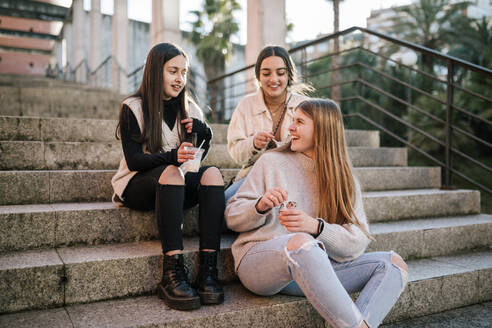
(170, 140)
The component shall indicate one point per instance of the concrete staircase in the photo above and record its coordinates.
(70, 258)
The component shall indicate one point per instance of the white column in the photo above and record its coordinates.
(120, 46)
(266, 26)
(78, 52)
(58, 52)
(95, 40)
(165, 22)
(67, 44)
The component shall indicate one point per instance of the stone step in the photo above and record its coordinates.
(394, 205)
(472, 316)
(20, 128)
(33, 81)
(435, 284)
(42, 225)
(35, 155)
(62, 186)
(69, 101)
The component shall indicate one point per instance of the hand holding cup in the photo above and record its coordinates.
(185, 154)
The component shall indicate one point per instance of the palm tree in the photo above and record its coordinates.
(474, 42)
(430, 23)
(211, 34)
(335, 90)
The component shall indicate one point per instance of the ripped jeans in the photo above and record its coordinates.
(269, 268)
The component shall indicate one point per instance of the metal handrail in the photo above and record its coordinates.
(403, 43)
(430, 76)
(331, 54)
(394, 79)
(472, 93)
(338, 68)
(440, 163)
(100, 66)
(401, 101)
(448, 84)
(421, 111)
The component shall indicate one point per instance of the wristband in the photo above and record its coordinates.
(321, 225)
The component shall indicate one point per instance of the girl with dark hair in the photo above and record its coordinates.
(155, 125)
(261, 120)
(314, 246)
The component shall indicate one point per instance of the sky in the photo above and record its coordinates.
(352, 12)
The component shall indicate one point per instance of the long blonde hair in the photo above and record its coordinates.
(332, 164)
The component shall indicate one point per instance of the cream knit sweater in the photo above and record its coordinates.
(295, 173)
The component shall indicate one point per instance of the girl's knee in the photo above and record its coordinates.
(398, 261)
(212, 177)
(172, 175)
(402, 267)
(298, 240)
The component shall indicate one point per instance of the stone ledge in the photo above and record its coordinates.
(82, 130)
(32, 226)
(35, 155)
(88, 274)
(61, 186)
(435, 285)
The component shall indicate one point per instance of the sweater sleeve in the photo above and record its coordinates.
(239, 143)
(241, 214)
(201, 128)
(135, 158)
(204, 134)
(347, 242)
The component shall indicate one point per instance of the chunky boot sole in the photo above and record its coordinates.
(211, 298)
(181, 304)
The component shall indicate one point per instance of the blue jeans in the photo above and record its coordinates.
(233, 188)
(269, 268)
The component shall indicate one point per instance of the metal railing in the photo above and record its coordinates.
(110, 74)
(432, 116)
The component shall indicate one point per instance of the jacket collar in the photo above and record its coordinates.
(262, 108)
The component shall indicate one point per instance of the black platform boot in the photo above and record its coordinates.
(206, 283)
(174, 287)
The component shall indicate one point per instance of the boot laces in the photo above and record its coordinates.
(179, 274)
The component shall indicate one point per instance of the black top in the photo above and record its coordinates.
(170, 112)
(137, 160)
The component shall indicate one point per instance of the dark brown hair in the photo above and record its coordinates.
(278, 51)
(151, 91)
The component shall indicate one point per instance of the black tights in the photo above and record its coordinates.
(144, 193)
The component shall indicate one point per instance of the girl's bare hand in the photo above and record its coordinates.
(271, 198)
(295, 220)
(188, 122)
(261, 139)
(185, 155)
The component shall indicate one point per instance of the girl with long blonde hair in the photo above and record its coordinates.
(303, 229)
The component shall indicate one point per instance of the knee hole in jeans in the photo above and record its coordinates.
(402, 266)
(398, 261)
(298, 240)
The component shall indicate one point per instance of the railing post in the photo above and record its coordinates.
(303, 64)
(449, 122)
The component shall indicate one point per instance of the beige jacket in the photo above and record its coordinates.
(170, 141)
(250, 116)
